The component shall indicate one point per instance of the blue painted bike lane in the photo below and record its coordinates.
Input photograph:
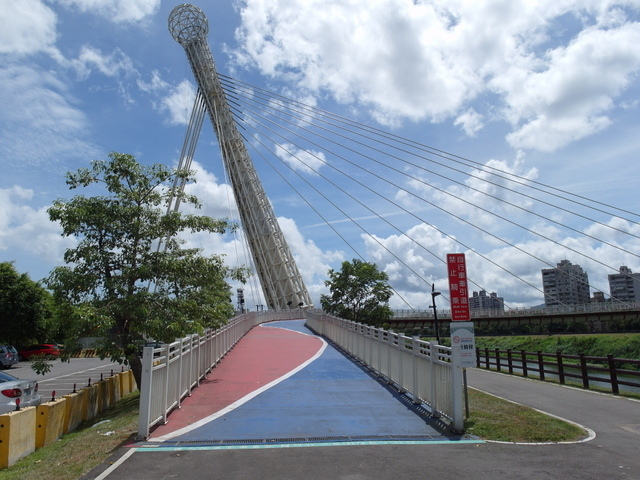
(331, 399)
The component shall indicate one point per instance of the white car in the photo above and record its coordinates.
(14, 391)
(8, 356)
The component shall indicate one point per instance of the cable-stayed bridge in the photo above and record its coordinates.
(401, 198)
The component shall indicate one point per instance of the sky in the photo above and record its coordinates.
(547, 90)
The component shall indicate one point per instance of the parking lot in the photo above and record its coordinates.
(62, 378)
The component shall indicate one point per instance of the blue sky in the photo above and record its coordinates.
(547, 90)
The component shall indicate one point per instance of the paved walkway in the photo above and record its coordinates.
(282, 384)
(353, 427)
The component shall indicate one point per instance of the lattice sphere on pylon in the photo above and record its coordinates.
(188, 24)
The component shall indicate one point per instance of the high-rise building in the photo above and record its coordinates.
(481, 301)
(567, 284)
(624, 286)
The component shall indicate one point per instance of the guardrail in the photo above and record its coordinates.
(587, 370)
(170, 372)
(430, 373)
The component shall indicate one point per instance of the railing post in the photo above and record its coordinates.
(416, 387)
(584, 370)
(498, 360)
(487, 363)
(509, 361)
(560, 367)
(540, 365)
(525, 372)
(613, 373)
(433, 384)
(457, 393)
(144, 415)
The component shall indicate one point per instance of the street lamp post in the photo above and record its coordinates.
(434, 294)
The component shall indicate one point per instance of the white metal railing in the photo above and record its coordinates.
(170, 372)
(431, 373)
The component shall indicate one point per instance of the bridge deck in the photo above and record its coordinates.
(280, 385)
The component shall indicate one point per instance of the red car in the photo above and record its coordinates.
(48, 349)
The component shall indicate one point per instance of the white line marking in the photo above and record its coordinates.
(116, 464)
(77, 373)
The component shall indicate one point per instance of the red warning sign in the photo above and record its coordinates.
(458, 291)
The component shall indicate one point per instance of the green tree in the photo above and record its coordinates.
(24, 307)
(118, 285)
(358, 292)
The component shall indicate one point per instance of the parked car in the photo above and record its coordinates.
(12, 389)
(48, 349)
(8, 356)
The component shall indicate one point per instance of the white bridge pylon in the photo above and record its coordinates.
(279, 276)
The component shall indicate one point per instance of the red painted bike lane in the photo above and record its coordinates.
(261, 358)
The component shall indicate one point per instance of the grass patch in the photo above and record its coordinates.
(80, 451)
(492, 418)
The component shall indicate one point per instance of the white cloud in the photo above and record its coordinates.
(558, 66)
(26, 231)
(480, 198)
(116, 10)
(179, 103)
(216, 198)
(26, 26)
(114, 64)
(305, 161)
(566, 101)
(470, 121)
(40, 122)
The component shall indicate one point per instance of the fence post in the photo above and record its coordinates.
(498, 367)
(509, 361)
(477, 357)
(560, 367)
(487, 363)
(525, 372)
(416, 386)
(584, 370)
(433, 384)
(457, 393)
(145, 393)
(613, 373)
(540, 365)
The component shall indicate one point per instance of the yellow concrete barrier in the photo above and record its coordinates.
(127, 383)
(17, 435)
(103, 395)
(92, 407)
(113, 383)
(74, 410)
(50, 418)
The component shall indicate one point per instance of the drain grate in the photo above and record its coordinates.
(299, 440)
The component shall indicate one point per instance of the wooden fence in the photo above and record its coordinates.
(585, 369)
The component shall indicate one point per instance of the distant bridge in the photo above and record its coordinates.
(597, 316)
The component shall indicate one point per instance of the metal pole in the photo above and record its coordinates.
(466, 392)
(434, 294)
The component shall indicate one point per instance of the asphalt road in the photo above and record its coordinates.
(64, 375)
